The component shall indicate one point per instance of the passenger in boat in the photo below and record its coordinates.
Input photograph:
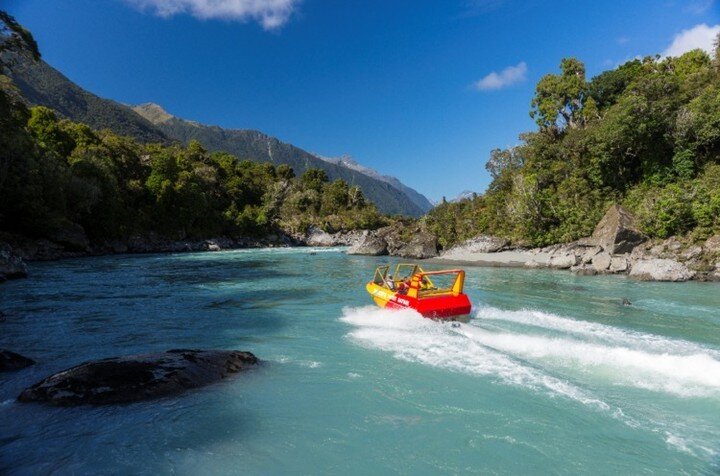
(403, 287)
(390, 283)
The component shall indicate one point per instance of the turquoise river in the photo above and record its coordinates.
(551, 375)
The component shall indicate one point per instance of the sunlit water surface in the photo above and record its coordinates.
(551, 375)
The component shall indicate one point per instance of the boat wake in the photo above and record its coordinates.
(558, 356)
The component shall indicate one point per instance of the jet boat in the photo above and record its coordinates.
(434, 294)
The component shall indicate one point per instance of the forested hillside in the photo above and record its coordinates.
(41, 84)
(258, 146)
(56, 174)
(646, 134)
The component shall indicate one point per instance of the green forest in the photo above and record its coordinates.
(54, 172)
(645, 135)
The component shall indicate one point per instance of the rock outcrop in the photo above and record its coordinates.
(370, 244)
(412, 242)
(12, 361)
(478, 244)
(616, 232)
(12, 265)
(660, 270)
(137, 377)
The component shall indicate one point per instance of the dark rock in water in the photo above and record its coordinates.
(12, 361)
(617, 232)
(137, 377)
(11, 265)
(626, 302)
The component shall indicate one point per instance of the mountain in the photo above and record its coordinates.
(41, 84)
(255, 145)
(346, 161)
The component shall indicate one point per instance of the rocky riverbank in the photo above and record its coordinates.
(616, 247)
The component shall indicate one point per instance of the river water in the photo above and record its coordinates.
(552, 374)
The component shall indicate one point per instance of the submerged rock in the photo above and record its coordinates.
(12, 361)
(617, 232)
(660, 270)
(137, 377)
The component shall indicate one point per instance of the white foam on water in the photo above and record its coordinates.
(413, 338)
(624, 357)
(595, 331)
(534, 357)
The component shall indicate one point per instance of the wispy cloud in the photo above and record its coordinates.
(700, 36)
(271, 14)
(507, 77)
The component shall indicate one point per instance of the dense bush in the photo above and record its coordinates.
(56, 172)
(646, 134)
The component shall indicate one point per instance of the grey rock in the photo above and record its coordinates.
(12, 361)
(563, 260)
(11, 265)
(479, 244)
(589, 254)
(712, 244)
(371, 245)
(616, 232)
(618, 264)
(584, 270)
(658, 269)
(137, 377)
(601, 261)
(691, 253)
(421, 246)
(318, 237)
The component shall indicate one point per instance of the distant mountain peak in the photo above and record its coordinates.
(153, 112)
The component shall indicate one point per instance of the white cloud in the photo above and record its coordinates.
(508, 76)
(271, 14)
(700, 36)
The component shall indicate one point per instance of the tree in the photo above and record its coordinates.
(559, 98)
(314, 179)
(15, 39)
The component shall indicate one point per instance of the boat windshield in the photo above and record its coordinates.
(381, 275)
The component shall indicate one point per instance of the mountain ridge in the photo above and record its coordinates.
(41, 84)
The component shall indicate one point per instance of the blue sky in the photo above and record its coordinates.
(406, 87)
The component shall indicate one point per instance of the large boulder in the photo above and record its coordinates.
(370, 244)
(617, 232)
(317, 237)
(71, 236)
(11, 265)
(12, 361)
(658, 269)
(422, 245)
(563, 260)
(479, 244)
(137, 377)
(601, 261)
(712, 245)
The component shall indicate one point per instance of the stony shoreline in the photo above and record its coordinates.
(616, 247)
